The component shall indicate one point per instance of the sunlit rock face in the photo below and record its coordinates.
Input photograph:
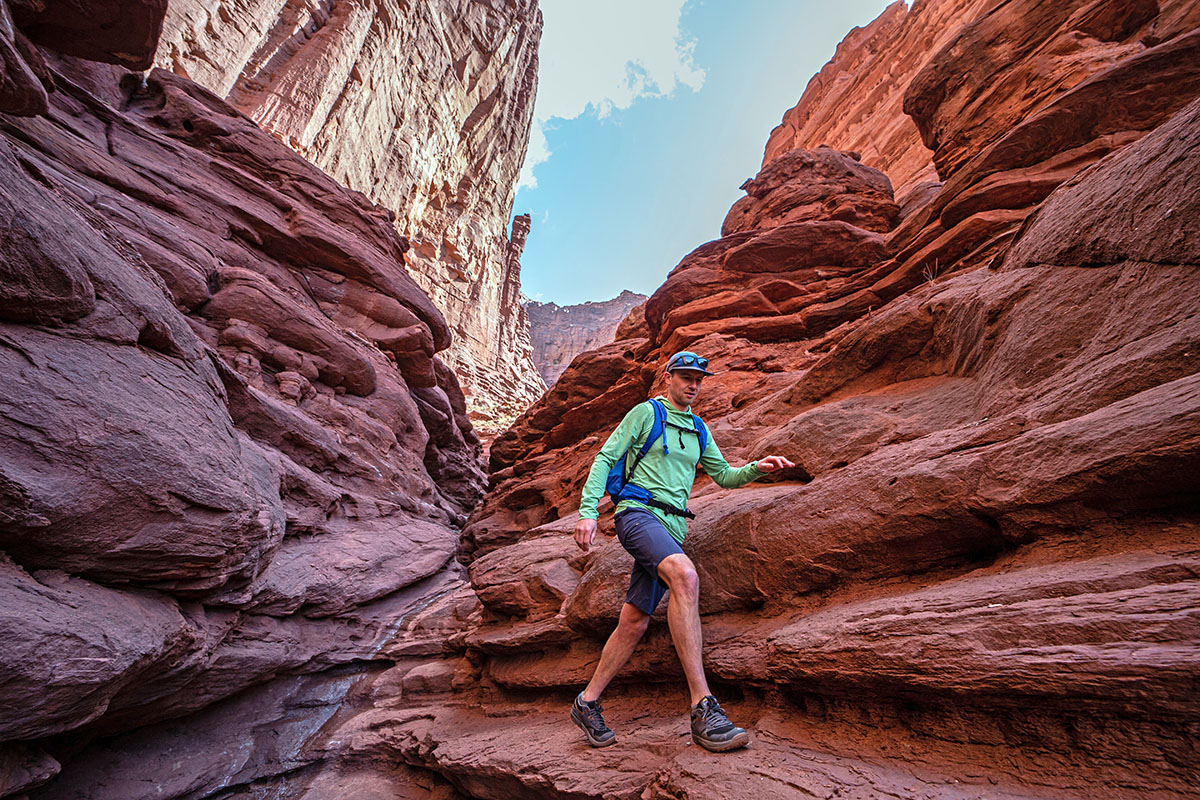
(232, 464)
(990, 389)
(559, 333)
(423, 107)
(1011, 61)
(855, 103)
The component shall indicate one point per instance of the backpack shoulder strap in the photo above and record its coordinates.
(656, 428)
(701, 432)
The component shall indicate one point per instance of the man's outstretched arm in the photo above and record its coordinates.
(727, 477)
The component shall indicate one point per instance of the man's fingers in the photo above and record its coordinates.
(773, 463)
(585, 534)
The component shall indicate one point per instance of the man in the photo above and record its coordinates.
(652, 532)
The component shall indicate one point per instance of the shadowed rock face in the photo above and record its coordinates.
(559, 333)
(423, 107)
(228, 451)
(231, 462)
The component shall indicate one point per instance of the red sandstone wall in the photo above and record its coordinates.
(230, 462)
(423, 107)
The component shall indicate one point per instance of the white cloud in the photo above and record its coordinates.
(604, 56)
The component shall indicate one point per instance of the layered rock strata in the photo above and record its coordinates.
(979, 581)
(423, 107)
(982, 70)
(230, 458)
(983, 567)
(855, 103)
(559, 333)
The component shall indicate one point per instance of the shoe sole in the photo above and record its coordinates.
(593, 741)
(739, 740)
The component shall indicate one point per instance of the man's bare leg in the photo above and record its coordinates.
(620, 646)
(683, 617)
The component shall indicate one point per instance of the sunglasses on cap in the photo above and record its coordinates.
(685, 360)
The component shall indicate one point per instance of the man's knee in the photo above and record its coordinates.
(680, 574)
(633, 620)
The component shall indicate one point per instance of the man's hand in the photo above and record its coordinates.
(585, 534)
(768, 464)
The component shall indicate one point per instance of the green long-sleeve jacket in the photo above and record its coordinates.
(668, 477)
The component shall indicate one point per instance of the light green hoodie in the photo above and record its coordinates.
(668, 477)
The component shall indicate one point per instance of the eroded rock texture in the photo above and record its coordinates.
(953, 76)
(228, 451)
(981, 578)
(979, 581)
(423, 107)
(559, 333)
(855, 103)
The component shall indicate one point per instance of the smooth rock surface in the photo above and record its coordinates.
(229, 453)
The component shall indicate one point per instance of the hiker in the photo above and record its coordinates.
(649, 464)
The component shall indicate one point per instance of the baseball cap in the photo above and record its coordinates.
(686, 359)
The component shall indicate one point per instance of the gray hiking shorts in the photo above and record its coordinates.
(648, 541)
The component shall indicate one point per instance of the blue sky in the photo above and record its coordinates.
(653, 112)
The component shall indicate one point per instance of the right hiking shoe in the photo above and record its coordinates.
(587, 716)
(712, 730)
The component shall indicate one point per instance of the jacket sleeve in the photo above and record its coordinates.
(725, 476)
(633, 428)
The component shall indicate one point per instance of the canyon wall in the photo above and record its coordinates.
(559, 333)
(980, 580)
(231, 461)
(233, 465)
(423, 107)
(855, 103)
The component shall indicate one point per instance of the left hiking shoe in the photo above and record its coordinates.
(588, 717)
(712, 730)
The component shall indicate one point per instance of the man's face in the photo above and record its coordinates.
(683, 386)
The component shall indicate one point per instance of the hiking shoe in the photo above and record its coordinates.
(587, 716)
(712, 730)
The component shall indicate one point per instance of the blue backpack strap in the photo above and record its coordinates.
(619, 483)
(701, 432)
(656, 428)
